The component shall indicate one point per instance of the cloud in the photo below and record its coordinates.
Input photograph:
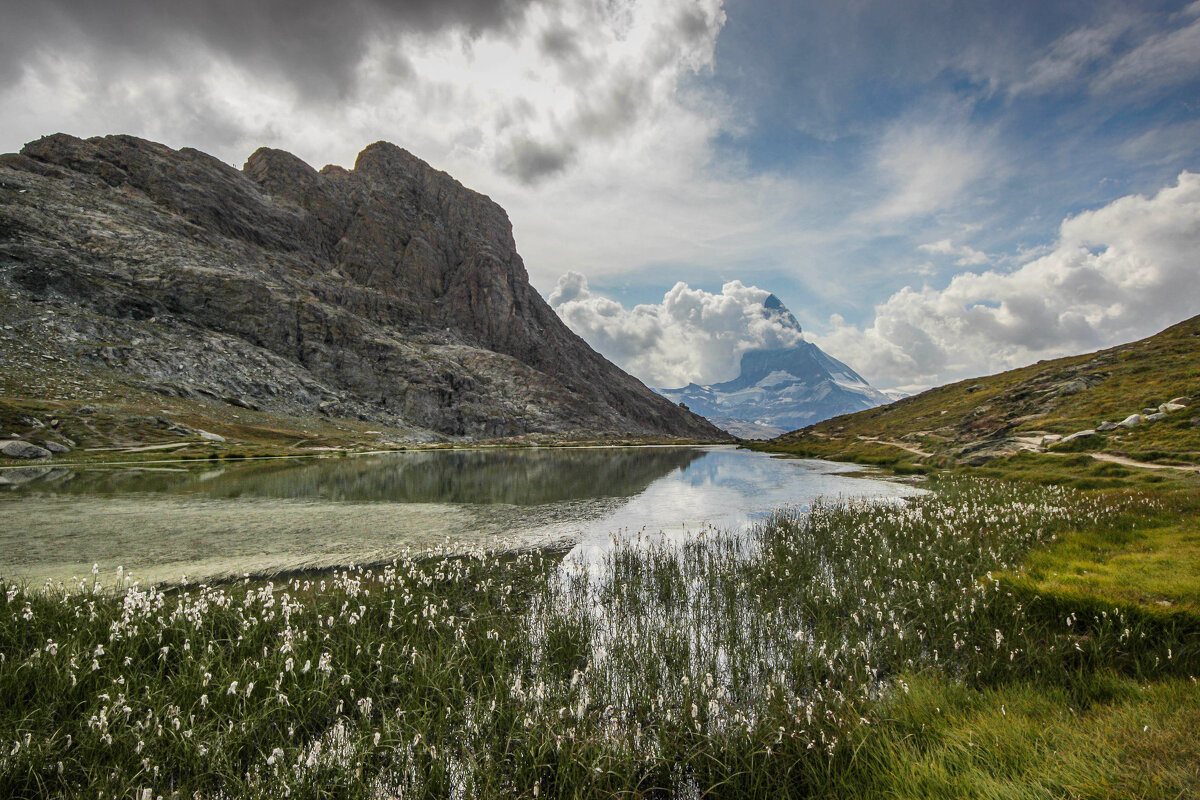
(924, 166)
(1130, 51)
(967, 256)
(1073, 55)
(521, 87)
(691, 336)
(1120, 272)
(1163, 58)
(315, 44)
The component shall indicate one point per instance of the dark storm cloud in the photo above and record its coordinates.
(531, 161)
(692, 23)
(316, 44)
(559, 42)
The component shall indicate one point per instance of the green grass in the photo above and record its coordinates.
(1101, 700)
(1121, 381)
(1081, 471)
(725, 667)
(1151, 562)
(1107, 725)
(980, 641)
(1021, 742)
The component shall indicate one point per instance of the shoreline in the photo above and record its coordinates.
(161, 528)
(224, 456)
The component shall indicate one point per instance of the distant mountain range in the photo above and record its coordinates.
(780, 389)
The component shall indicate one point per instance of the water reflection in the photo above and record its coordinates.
(727, 490)
(208, 520)
(512, 477)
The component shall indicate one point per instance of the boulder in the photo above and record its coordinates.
(1167, 408)
(1131, 421)
(212, 437)
(1107, 426)
(240, 402)
(1156, 416)
(19, 449)
(1072, 387)
(55, 447)
(1051, 438)
(1182, 400)
(1077, 435)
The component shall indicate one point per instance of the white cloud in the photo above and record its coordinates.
(1115, 274)
(692, 336)
(1131, 50)
(1072, 55)
(1161, 59)
(925, 166)
(966, 256)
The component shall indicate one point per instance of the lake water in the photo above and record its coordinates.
(163, 522)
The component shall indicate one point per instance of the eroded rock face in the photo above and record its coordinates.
(389, 292)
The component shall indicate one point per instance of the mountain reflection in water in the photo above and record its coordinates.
(207, 520)
(513, 477)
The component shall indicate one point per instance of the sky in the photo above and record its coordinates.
(937, 190)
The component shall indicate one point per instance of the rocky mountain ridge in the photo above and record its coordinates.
(389, 294)
(780, 389)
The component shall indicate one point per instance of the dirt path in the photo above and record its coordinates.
(910, 448)
(1129, 462)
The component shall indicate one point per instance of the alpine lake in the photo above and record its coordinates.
(167, 522)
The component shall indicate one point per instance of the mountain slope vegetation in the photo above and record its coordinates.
(1033, 409)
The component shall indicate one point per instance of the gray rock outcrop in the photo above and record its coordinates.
(18, 449)
(389, 292)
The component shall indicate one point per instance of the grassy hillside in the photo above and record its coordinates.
(1100, 729)
(975, 421)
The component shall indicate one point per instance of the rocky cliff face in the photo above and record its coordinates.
(388, 293)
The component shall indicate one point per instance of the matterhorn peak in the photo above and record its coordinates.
(780, 388)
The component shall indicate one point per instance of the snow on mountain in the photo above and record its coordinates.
(781, 389)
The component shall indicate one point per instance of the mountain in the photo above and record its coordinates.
(780, 389)
(389, 294)
(1137, 401)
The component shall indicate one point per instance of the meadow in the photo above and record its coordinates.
(843, 650)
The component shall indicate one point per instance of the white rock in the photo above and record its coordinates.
(212, 437)
(1078, 435)
(1167, 408)
(1131, 420)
